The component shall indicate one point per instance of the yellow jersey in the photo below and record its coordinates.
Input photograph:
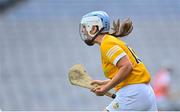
(112, 50)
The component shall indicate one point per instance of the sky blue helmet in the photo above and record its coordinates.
(95, 18)
(104, 19)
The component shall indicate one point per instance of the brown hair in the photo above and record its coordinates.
(122, 29)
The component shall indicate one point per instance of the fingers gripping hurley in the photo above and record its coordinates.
(79, 77)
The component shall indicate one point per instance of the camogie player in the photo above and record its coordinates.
(126, 73)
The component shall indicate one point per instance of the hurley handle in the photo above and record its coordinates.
(111, 95)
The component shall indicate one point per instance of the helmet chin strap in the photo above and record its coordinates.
(91, 42)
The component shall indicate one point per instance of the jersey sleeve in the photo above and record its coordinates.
(113, 53)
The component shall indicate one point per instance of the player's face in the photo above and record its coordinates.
(84, 33)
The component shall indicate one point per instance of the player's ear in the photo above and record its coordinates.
(94, 30)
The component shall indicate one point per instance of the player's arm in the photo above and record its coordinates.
(125, 68)
(100, 82)
(116, 55)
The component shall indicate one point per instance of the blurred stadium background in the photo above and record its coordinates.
(39, 42)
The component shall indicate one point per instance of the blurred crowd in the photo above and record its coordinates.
(162, 88)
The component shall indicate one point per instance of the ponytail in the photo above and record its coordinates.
(122, 29)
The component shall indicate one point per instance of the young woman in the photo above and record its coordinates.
(125, 71)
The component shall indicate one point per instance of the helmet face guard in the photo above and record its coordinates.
(87, 38)
(84, 32)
